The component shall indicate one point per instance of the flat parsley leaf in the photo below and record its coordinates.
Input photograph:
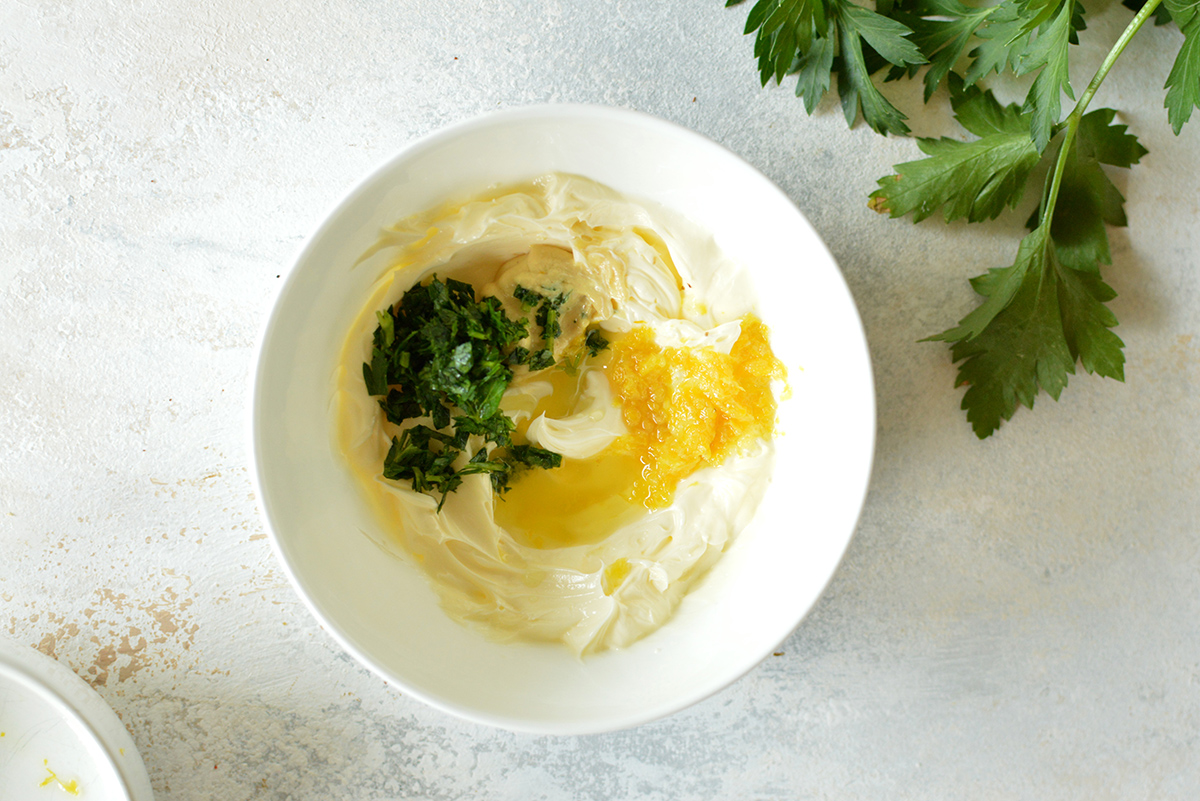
(803, 36)
(974, 180)
(1183, 82)
(942, 29)
(1088, 199)
(1025, 37)
(1022, 347)
(980, 113)
(1054, 316)
(1048, 55)
(1047, 311)
(814, 72)
(1099, 139)
(1002, 42)
(886, 37)
(595, 342)
(533, 456)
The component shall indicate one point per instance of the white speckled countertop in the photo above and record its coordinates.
(1014, 619)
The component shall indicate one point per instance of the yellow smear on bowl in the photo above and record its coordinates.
(70, 787)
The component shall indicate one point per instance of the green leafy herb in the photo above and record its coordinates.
(1047, 55)
(527, 297)
(1046, 312)
(1001, 42)
(595, 342)
(441, 354)
(886, 38)
(533, 456)
(519, 355)
(1183, 83)
(803, 36)
(547, 316)
(1161, 15)
(541, 360)
(1039, 317)
(942, 29)
(975, 180)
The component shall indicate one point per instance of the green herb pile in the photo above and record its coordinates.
(1046, 312)
(442, 355)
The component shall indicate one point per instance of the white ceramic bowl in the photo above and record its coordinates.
(60, 737)
(382, 610)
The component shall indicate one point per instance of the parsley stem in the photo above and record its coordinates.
(1134, 26)
(1077, 113)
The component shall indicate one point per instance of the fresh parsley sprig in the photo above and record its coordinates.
(819, 38)
(1045, 312)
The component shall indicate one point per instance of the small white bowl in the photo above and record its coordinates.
(382, 610)
(60, 737)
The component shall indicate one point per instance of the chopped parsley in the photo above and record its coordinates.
(595, 343)
(549, 308)
(547, 316)
(533, 456)
(442, 356)
(527, 297)
(542, 359)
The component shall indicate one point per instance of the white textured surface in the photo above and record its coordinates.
(1014, 619)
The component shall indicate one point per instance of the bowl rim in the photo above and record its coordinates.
(535, 112)
(83, 710)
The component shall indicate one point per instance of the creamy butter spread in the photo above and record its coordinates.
(569, 554)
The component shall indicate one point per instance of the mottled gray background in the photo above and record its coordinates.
(1015, 619)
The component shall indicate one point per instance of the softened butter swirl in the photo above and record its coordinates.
(666, 437)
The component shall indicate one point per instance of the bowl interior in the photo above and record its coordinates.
(381, 608)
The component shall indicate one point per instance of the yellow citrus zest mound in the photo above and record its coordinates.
(691, 408)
